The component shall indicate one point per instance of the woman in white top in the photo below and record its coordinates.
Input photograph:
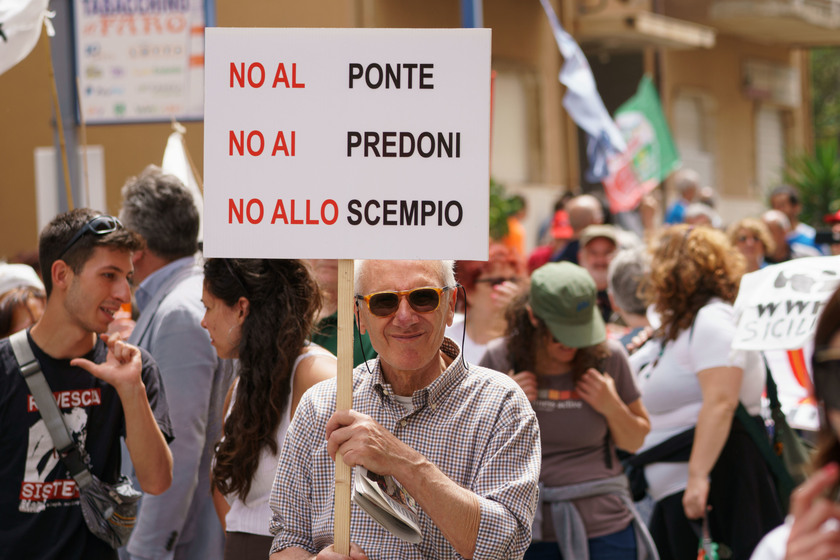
(812, 530)
(259, 311)
(694, 381)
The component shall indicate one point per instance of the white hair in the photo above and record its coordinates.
(447, 274)
(776, 217)
(628, 269)
(686, 179)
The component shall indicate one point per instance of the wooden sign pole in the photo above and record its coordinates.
(344, 400)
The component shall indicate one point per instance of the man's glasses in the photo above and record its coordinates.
(496, 280)
(421, 300)
(98, 225)
(826, 364)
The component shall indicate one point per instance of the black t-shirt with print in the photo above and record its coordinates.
(39, 503)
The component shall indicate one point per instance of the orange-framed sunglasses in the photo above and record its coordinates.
(421, 300)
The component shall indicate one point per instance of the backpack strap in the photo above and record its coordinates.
(69, 453)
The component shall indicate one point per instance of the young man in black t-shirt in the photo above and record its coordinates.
(104, 388)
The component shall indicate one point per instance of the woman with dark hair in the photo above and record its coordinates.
(812, 530)
(489, 287)
(691, 387)
(20, 308)
(587, 404)
(261, 312)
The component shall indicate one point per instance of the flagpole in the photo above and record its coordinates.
(60, 126)
(84, 144)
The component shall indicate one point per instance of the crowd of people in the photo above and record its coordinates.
(509, 398)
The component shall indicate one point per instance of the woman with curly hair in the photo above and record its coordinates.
(691, 388)
(810, 531)
(261, 312)
(587, 404)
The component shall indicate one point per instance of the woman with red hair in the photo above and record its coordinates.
(489, 286)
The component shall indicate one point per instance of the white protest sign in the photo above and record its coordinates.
(347, 143)
(778, 306)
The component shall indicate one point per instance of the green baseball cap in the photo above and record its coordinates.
(563, 295)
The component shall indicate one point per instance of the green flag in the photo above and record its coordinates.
(650, 155)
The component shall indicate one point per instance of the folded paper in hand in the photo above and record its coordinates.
(387, 502)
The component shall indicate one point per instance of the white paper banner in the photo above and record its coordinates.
(347, 143)
(778, 306)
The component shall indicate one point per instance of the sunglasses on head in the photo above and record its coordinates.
(421, 300)
(826, 364)
(98, 225)
(496, 280)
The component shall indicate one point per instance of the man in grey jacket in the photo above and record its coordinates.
(181, 523)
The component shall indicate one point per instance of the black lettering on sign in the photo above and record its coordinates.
(394, 144)
(392, 75)
(404, 212)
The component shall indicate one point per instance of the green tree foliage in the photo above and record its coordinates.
(501, 208)
(825, 91)
(817, 177)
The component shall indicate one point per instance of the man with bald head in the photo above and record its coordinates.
(584, 210)
(461, 439)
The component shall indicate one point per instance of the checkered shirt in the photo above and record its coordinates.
(475, 425)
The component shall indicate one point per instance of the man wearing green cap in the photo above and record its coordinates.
(598, 245)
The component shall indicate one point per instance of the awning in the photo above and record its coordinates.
(788, 22)
(641, 29)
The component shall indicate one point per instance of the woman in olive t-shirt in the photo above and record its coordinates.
(586, 401)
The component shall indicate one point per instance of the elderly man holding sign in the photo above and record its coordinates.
(456, 443)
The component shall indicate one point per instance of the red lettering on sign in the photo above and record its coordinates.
(255, 74)
(280, 144)
(329, 202)
(328, 212)
(255, 142)
(279, 212)
(149, 24)
(309, 220)
(281, 78)
(293, 220)
(235, 212)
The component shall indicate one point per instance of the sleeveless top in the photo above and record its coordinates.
(253, 514)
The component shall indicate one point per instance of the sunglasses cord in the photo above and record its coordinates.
(463, 334)
(357, 333)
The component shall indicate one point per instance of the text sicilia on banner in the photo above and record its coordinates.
(347, 143)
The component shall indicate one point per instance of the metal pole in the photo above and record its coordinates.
(472, 13)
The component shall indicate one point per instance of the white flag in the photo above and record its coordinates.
(20, 28)
(175, 162)
(583, 102)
